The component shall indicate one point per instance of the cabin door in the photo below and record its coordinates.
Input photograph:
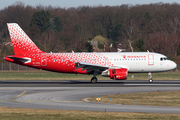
(150, 59)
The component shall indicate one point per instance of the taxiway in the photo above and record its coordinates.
(68, 95)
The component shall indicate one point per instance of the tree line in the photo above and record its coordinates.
(153, 27)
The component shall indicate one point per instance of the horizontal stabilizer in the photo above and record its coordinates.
(23, 60)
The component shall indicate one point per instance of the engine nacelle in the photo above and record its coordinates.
(116, 74)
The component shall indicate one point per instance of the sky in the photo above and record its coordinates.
(76, 3)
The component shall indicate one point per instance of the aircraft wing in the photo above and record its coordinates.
(89, 67)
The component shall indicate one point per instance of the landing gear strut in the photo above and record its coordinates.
(94, 80)
(150, 78)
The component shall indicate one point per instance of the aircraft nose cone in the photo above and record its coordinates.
(174, 65)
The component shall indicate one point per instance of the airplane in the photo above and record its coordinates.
(115, 65)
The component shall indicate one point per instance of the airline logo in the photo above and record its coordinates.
(133, 56)
(124, 56)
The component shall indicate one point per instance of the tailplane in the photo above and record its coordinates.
(22, 44)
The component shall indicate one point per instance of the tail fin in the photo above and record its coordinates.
(22, 44)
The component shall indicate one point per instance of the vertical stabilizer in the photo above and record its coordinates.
(22, 44)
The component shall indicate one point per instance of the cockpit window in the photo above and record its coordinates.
(164, 58)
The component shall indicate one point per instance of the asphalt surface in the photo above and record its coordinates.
(68, 95)
(85, 83)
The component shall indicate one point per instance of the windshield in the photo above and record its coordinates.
(164, 58)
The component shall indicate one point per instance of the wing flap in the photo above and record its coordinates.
(89, 67)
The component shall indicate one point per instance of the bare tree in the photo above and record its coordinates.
(129, 33)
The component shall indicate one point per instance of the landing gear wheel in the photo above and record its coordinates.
(150, 80)
(94, 80)
(150, 77)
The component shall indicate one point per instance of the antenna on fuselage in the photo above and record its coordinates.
(148, 51)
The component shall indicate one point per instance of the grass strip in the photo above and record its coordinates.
(169, 98)
(42, 114)
(45, 75)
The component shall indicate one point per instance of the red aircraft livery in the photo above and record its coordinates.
(113, 65)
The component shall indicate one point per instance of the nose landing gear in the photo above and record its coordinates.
(150, 78)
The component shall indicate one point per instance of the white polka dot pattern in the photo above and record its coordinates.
(61, 62)
(21, 42)
(94, 58)
(65, 62)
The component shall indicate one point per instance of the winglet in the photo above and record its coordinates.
(21, 42)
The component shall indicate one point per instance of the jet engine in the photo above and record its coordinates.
(116, 74)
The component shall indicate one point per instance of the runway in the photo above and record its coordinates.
(86, 83)
(68, 95)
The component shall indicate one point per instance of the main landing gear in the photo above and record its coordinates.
(150, 77)
(94, 80)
